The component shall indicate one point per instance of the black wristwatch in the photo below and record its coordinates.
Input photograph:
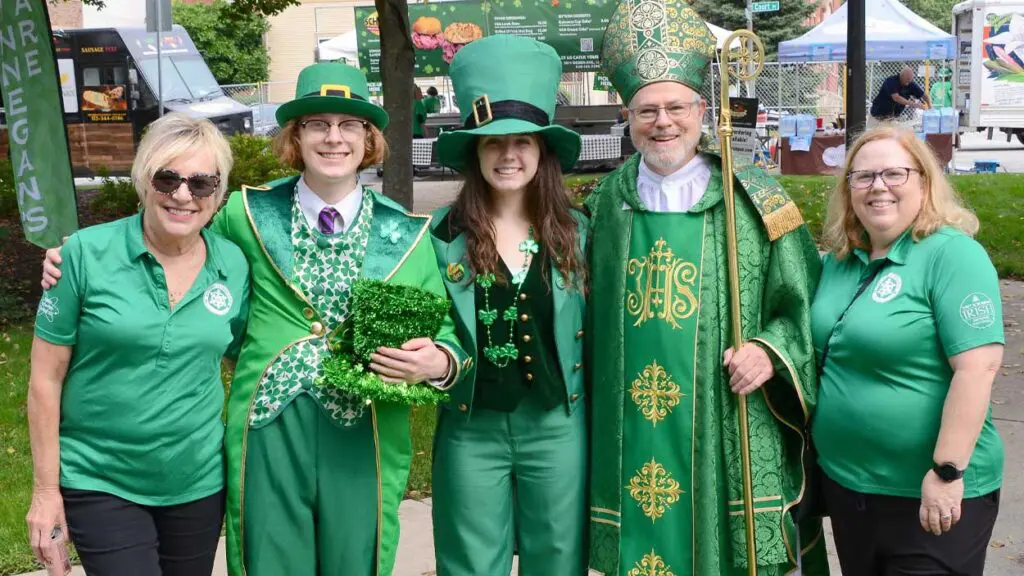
(948, 472)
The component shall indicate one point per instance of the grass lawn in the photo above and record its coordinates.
(15, 456)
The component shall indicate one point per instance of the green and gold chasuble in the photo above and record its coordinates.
(300, 281)
(666, 480)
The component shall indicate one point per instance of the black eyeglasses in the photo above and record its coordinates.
(895, 176)
(166, 181)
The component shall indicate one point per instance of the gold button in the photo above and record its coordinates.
(528, 359)
(308, 313)
(574, 397)
(529, 376)
(577, 366)
(463, 408)
(526, 338)
(316, 328)
(579, 334)
(522, 297)
(524, 317)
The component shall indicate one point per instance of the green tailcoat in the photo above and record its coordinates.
(779, 269)
(258, 220)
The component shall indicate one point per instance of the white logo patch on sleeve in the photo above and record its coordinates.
(217, 299)
(978, 311)
(48, 307)
(887, 288)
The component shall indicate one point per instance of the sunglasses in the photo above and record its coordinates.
(166, 181)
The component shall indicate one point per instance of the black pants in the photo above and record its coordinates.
(115, 537)
(882, 535)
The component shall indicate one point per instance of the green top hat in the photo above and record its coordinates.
(650, 41)
(506, 85)
(333, 88)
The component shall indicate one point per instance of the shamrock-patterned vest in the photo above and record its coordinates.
(325, 269)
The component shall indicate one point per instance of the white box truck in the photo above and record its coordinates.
(988, 78)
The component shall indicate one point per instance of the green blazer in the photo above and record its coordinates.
(569, 306)
(258, 220)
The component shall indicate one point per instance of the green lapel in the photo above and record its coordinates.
(461, 290)
(568, 319)
(270, 211)
(394, 233)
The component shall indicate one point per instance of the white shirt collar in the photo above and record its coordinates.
(677, 192)
(311, 205)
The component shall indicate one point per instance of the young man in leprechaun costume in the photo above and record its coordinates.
(510, 448)
(666, 478)
(315, 475)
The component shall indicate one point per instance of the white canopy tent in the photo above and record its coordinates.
(893, 33)
(341, 47)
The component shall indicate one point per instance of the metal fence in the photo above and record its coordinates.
(806, 88)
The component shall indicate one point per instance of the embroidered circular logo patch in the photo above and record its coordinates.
(217, 299)
(978, 311)
(887, 288)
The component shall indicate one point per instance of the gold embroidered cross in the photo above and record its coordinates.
(654, 489)
(650, 565)
(654, 393)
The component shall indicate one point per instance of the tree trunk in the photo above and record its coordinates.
(396, 71)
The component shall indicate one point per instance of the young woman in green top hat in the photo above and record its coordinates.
(315, 475)
(510, 447)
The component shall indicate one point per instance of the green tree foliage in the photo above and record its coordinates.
(938, 12)
(771, 27)
(233, 47)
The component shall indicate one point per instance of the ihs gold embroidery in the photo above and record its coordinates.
(655, 393)
(663, 287)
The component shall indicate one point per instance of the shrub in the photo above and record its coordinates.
(8, 191)
(255, 163)
(116, 197)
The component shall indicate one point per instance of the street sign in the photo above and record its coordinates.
(764, 6)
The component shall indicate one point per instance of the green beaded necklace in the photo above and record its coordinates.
(502, 355)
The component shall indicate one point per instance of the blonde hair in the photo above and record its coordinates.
(288, 147)
(940, 206)
(176, 136)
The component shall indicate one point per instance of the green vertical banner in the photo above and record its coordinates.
(35, 123)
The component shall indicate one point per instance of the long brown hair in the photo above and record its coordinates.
(548, 209)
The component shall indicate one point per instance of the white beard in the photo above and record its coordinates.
(669, 161)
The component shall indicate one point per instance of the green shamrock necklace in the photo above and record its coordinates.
(502, 355)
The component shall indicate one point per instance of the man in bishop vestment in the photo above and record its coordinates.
(666, 475)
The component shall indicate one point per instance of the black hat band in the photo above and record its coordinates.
(485, 112)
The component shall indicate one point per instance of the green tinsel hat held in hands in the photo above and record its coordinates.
(506, 85)
(649, 41)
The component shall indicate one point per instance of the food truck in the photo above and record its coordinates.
(109, 84)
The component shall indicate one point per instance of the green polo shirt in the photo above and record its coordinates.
(142, 398)
(887, 371)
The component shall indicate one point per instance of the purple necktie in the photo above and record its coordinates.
(326, 222)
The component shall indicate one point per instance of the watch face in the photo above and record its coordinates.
(948, 472)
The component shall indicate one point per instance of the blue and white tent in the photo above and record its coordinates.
(894, 33)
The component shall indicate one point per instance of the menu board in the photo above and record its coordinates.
(439, 30)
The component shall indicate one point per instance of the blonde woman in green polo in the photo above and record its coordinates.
(907, 325)
(125, 394)
(510, 449)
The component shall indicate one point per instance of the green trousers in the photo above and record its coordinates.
(310, 503)
(510, 480)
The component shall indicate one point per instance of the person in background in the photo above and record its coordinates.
(897, 93)
(419, 113)
(907, 326)
(432, 103)
(510, 448)
(125, 393)
(942, 89)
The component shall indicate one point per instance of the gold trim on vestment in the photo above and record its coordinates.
(761, 499)
(603, 521)
(757, 510)
(605, 511)
(693, 425)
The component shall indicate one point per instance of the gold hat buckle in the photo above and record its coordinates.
(485, 103)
